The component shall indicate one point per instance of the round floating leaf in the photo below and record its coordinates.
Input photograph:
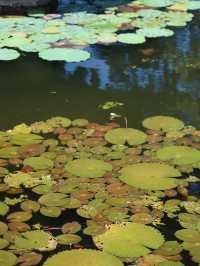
(131, 38)
(7, 258)
(53, 199)
(19, 216)
(4, 208)
(150, 176)
(188, 235)
(24, 139)
(20, 178)
(32, 240)
(64, 54)
(90, 168)
(165, 123)
(9, 153)
(82, 258)
(38, 163)
(8, 54)
(3, 228)
(123, 135)
(155, 32)
(68, 239)
(129, 240)
(179, 155)
(58, 121)
(3, 243)
(51, 211)
(171, 263)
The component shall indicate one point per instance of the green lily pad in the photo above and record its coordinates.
(58, 121)
(150, 176)
(171, 263)
(35, 239)
(9, 153)
(4, 208)
(90, 168)
(3, 243)
(25, 139)
(20, 178)
(7, 258)
(123, 135)
(38, 163)
(188, 235)
(165, 123)
(179, 155)
(53, 199)
(51, 211)
(131, 38)
(129, 240)
(68, 239)
(64, 54)
(155, 32)
(83, 257)
(8, 54)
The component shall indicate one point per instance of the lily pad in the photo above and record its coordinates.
(123, 135)
(83, 257)
(129, 240)
(38, 163)
(4, 208)
(90, 168)
(35, 239)
(64, 54)
(179, 155)
(7, 258)
(8, 54)
(131, 38)
(165, 123)
(150, 176)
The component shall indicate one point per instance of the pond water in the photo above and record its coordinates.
(167, 82)
(160, 77)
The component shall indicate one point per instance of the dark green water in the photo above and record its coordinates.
(168, 82)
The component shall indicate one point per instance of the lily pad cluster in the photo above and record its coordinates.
(57, 37)
(78, 186)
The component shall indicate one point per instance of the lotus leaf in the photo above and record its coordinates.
(171, 263)
(165, 123)
(38, 163)
(188, 220)
(53, 199)
(29, 259)
(20, 178)
(30, 205)
(3, 243)
(9, 152)
(155, 32)
(123, 135)
(4, 208)
(7, 258)
(71, 228)
(129, 240)
(179, 155)
(35, 239)
(188, 235)
(58, 122)
(50, 211)
(19, 216)
(8, 54)
(169, 248)
(3, 228)
(131, 38)
(64, 54)
(80, 122)
(150, 176)
(157, 3)
(83, 257)
(24, 139)
(90, 168)
(68, 239)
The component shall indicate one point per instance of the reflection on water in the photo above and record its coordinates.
(167, 82)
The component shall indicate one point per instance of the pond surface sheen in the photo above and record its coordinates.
(167, 82)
